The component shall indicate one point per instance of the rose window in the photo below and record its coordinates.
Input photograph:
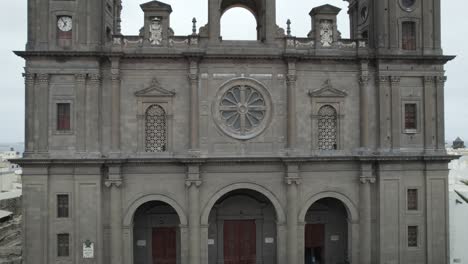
(242, 110)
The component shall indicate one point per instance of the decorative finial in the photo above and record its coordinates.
(288, 31)
(194, 27)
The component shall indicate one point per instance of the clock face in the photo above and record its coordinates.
(408, 3)
(64, 23)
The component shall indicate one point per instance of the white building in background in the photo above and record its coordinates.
(458, 207)
(10, 174)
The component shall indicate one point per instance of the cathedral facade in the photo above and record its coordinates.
(166, 149)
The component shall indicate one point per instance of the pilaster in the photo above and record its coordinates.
(430, 130)
(80, 88)
(29, 79)
(396, 112)
(385, 111)
(292, 107)
(42, 117)
(364, 105)
(440, 108)
(194, 104)
(292, 180)
(193, 182)
(93, 113)
(114, 183)
(115, 106)
(366, 179)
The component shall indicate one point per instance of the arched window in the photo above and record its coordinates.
(328, 127)
(155, 129)
(238, 23)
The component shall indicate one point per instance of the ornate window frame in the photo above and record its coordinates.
(53, 116)
(154, 95)
(327, 95)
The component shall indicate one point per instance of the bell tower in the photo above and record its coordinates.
(264, 12)
(78, 25)
(406, 27)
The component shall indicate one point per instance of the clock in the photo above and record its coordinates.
(65, 23)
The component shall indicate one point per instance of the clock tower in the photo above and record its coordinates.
(79, 25)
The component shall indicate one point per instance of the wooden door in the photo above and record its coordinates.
(164, 245)
(240, 242)
(314, 244)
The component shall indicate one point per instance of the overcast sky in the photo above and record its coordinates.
(237, 24)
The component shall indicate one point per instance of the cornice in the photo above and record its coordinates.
(200, 161)
(202, 54)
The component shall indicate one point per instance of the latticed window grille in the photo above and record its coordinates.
(63, 245)
(412, 236)
(412, 196)
(327, 128)
(155, 129)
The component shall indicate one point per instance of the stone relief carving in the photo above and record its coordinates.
(155, 31)
(326, 32)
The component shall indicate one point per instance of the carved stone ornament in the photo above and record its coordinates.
(327, 90)
(155, 30)
(154, 90)
(115, 182)
(370, 179)
(326, 32)
(242, 108)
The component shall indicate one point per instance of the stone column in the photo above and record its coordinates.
(367, 178)
(80, 110)
(440, 108)
(29, 79)
(114, 182)
(292, 181)
(93, 113)
(42, 107)
(396, 112)
(364, 108)
(430, 131)
(194, 101)
(385, 110)
(115, 127)
(193, 182)
(291, 96)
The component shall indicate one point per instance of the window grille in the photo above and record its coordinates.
(412, 236)
(63, 116)
(410, 116)
(62, 205)
(327, 126)
(412, 196)
(155, 129)
(408, 35)
(63, 245)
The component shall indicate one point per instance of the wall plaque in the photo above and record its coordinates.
(88, 250)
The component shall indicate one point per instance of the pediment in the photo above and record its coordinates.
(155, 5)
(154, 90)
(325, 9)
(327, 90)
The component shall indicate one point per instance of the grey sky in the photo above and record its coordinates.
(236, 24)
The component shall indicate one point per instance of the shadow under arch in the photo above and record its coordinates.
(130, 212)
(351, 209)
(280, 215)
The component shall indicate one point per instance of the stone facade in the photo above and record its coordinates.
(320, 146)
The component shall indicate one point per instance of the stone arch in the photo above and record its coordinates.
(351, 209)
(130, 212)
(281, 217)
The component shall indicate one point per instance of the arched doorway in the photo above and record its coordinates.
(326, 233)
(242, 229)
(156, 234)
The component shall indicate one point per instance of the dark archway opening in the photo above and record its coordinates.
(242, 229)
(156, 234)
(326, 233)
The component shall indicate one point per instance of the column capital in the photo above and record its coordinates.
(365, 180)
(291, 78)
(384, 79)
(115, 77)
(291, 180)
(81, 77)
(193, 77)
(94, 76)
(395, 79)
(28, 76)
(195, 183)
(43, 77)
(429, 79)
(364, 79)
(117, 183)
(441, 79)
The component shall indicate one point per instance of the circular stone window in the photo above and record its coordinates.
(407, 5)
(242, 108)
